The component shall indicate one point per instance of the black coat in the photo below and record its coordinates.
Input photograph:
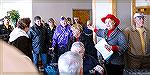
(88, 43)
(24, 44)
(4, 32)
(38, 35)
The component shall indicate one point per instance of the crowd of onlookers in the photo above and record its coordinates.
(71, 45)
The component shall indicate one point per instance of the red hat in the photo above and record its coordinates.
(111, 17)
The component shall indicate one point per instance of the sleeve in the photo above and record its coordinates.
(122, 44)
(30, 33)
(54, 42)
(100, 32)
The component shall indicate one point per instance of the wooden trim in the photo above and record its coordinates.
(133, 10)
(94, 19)
(114, 7)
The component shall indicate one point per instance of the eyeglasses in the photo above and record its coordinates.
(140, 17)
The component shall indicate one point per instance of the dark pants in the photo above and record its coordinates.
(114, 69)
(58, 52)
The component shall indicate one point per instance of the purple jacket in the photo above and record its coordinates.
(61, 36)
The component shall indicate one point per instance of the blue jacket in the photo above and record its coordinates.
(38, 36)
(118, 38)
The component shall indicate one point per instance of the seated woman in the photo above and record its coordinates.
(19, 37)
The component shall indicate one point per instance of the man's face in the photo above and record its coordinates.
(139, 21)
(38, 22)
(63, 22)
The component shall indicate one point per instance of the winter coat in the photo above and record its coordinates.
(38, 36)
(20, 40)
(88, 43)
(117, 38)
(4, 32)
(136, 58)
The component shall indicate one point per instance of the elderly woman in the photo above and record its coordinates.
(117, 43)
(19, 37)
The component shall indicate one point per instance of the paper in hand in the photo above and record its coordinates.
(100, 46)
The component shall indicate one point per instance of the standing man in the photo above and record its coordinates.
(61, 36)
(139, 40)
(37, 34)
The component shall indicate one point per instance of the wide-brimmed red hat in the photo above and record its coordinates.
(111, 17)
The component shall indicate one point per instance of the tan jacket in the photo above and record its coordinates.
(134, 40)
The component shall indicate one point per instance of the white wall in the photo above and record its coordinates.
(103, 7)
(57, 8)
(23, 6)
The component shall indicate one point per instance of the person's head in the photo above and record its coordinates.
(76, 20)
(76, 29)
(6, 20)
(139, 20)
(110, 21)
(63, 21)
(69, 21)
(78, 47)
(24, 24)
(37, 20)
(88, 23)
(69, 63)
(51, 22)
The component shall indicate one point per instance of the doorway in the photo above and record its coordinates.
(83, 14)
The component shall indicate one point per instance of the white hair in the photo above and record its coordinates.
(76, 46)
(69, 63)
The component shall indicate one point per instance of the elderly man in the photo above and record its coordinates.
(90, 64)
(139, 40)
(70, 63)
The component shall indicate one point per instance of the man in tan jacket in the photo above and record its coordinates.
(138, 55)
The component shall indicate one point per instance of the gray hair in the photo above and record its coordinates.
(77, 45)
(69, 63)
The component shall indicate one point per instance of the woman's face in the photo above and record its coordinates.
(75, 32)
(110, 24)
(50, 23)
(6, 21)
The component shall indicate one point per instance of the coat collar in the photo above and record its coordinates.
(112, 35)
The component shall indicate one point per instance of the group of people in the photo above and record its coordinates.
(72, 46)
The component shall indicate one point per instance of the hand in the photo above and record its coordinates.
(52, 49)
(91, 27)
(108, 47)
(99, 69)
